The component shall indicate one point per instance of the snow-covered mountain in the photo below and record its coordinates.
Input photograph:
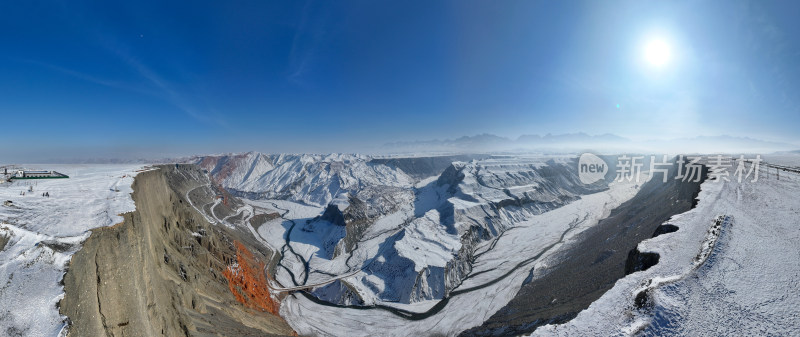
(307, 178)
(410, 225)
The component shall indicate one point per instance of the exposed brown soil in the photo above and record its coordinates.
(161, 272)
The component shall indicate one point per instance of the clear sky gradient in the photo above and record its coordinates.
(153, 78)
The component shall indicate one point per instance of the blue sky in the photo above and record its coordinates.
(151, 78)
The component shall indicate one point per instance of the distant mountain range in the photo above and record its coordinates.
(490, 142)
(576, 142)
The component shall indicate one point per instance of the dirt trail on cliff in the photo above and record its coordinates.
(165, 270)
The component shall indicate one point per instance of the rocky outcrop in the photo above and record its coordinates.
(364, 207)
(333, 215)
(665, 229)
(339, 292)
(166, 271)
(639, 261)
(357, 220)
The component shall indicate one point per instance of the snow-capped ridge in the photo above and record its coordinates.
(309, 179)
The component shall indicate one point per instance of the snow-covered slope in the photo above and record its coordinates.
(730, 269)
(38, 235)
(310, 179)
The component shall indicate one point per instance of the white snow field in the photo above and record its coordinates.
(44, 232)
(787, 159)
(739, 276)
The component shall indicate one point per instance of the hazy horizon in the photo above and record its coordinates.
(573, 143)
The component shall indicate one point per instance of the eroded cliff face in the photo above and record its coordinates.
(167, 271)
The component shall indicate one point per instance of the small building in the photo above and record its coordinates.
(34, 174)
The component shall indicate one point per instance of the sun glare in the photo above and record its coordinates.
(657, 53)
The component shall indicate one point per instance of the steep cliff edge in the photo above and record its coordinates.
(166, 271)
(595, 261)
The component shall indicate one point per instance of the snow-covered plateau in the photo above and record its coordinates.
(39, 234)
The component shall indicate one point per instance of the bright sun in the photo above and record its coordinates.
(657, 52)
